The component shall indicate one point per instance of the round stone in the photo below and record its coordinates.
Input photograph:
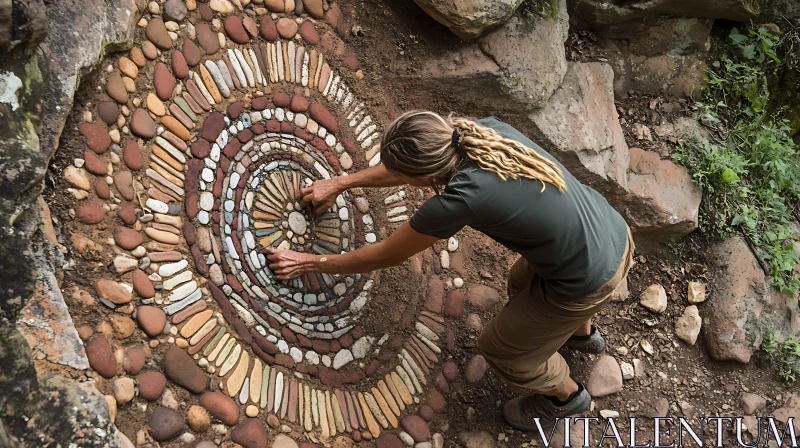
(142, 125)
(221, 407)
(297, 222)
(287, 28)
(151, 384)
(165, 424)
(108, 111)
(90, 212)
(134, 360)
(198, 418)
(101, 357)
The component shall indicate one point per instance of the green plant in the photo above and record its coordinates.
(751, 175)
(787, 354)
(540, 8)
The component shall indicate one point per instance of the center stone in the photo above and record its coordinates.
(297, 222)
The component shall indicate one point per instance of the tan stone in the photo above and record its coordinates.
(155, 105)
(162, 236)
(387, 395)
(194, 324)
(405, 394)
(207, 328)
(128, 68)
(210, 84)
(236, 380)
(255, 380)
(372, 425)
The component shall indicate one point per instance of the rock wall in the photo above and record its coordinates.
(43, 59)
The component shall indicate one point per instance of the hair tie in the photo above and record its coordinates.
(456, 139)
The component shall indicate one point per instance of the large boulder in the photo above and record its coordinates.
(663, 198)
(614, 12)
(45, 49)
(743, 307)
(658, 55)
(580, 126)
(468, 19)
(513, 69)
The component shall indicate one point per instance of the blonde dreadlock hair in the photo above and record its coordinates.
(424, 144)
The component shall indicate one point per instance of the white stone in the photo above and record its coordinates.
(342, 358)
(452, 244)
(605, 413)
(627, 370)
(361, 347)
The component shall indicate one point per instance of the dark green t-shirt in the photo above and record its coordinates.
(574, 240)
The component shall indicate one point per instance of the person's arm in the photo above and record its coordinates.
(401, 245)
(322, 193)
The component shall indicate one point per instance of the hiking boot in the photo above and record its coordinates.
(519, 412)
(593, 343)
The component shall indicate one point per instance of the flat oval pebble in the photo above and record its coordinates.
(123, 181)
(324, 117)
(163, 81)
(97, 138)
(314, 8)
(251, 433)
(389, 440)
(175, 10)
(144, 287)
(207, 38)
(267, 29)
(205, 12)
(151, 384)
(191, 53)
(221, 407)
(212, 126)
(166, 424)
(127, 238)
(287, 28)
(182, 370)
(126, 213)
(275, 5)
(416, 427)
(132, 156)
(201, 148)
(155, 105)
(235, 30)
(149, 50)
(128, 68)
(108, 111)
(90, 212)
(157, 33)
(142, 125)
(176, 128)
(134, 360)
(116, 88)
(250, 26)
(101, 357)
(179, 65)
(137, 57)
(113, 291)
(93, 164)
(309, 33)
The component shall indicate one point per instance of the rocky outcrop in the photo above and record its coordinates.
(742, 307)
(663, 200)
(522, 62)
(468, 19)
(614, 12)
(579, 125)
(42, 58)
(651, 49)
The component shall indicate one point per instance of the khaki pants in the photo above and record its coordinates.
(523, 339)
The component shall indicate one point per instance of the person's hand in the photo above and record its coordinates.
(288, 264)
(321, 194)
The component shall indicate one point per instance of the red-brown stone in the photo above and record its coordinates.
(267, 29)
(201, 148)
(179, 65)
(90, 212)
(207, 38)
(108, 111)
(163, 81)
(127, 214)
(101, 357)
(127, 238)
(281, 99)
(212, 126)
(182, 370)
(93, 164)
(324, 117)
(287, 28)
(235, 29)
(151, 384)
(141, 123)
(221, 407)
(251, 433)
(309, 33)
(97, 139)
(132, 156)
(191, 53)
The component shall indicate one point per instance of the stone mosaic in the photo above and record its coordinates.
(206, 171)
